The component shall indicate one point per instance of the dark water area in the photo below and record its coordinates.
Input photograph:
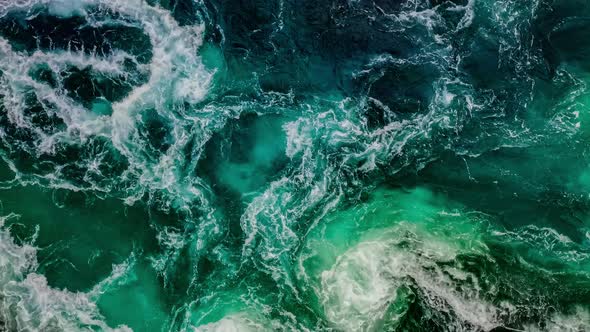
(248, 165)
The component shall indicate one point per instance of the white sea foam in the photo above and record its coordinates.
(579, 320)
(176, 78)
(358, 289)
(233, 323)
(27, 303)
(548, 241)
(61, 8)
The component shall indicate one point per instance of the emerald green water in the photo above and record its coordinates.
(222, 165)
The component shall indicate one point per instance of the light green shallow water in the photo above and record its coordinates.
(224, 165)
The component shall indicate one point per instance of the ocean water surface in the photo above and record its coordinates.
(294, 165)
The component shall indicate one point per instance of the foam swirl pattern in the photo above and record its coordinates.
(337, 165)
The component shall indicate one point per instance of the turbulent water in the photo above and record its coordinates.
(280, 165)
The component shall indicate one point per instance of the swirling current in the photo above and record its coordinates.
(295, 165)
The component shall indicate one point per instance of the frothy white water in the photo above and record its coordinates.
(233, 323)
(16, 83)
(575, 322)
(61, 8)
(27, 303)
(176, 79)
(367, 286)
(330, 146)
(548, 243)
(176, 76)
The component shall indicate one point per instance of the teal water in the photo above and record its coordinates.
(243, 165)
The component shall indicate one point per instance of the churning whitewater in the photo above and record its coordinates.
(272, 165)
